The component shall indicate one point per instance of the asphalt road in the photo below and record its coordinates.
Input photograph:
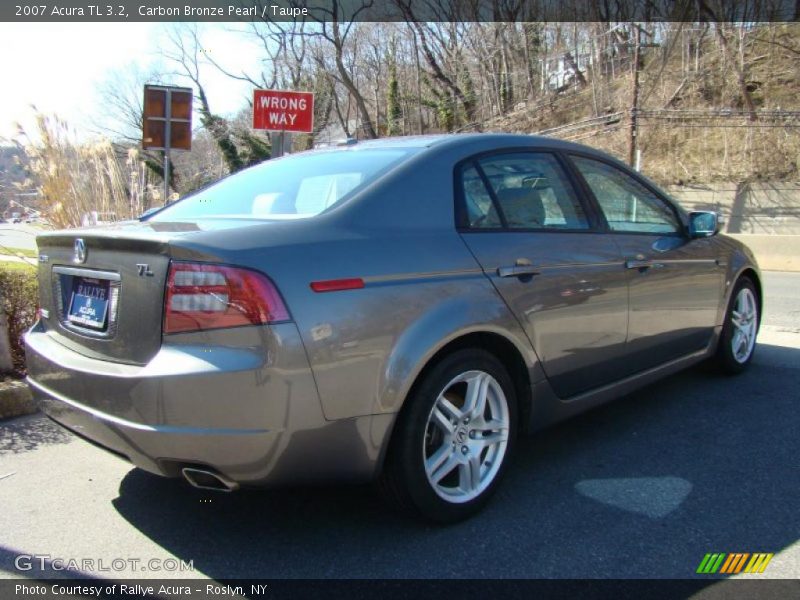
(782, 309)
(642, 487)
(18, 235)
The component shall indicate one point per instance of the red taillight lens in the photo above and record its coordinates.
(202, 296)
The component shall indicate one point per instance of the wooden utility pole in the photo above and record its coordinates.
(633, 141)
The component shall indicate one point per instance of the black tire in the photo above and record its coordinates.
(732, 357)
(481, 446)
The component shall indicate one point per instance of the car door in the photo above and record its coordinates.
(674, 281)
(534, 238)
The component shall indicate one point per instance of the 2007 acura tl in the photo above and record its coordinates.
(398, 309)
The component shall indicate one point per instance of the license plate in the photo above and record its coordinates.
(89, 303)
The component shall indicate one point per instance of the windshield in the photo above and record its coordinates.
(294, 187)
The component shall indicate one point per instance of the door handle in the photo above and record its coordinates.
(522, 268)
(638, 264)
(643, 264)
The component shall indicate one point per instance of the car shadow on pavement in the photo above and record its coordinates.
(642, 487)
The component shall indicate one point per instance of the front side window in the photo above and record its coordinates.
(295, 187)
(626, 203)
(528, 191)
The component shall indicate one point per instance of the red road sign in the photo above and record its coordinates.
(283, 111)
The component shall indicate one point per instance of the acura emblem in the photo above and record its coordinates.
(80, 251)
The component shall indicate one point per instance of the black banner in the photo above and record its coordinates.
(66, 11)
(478, 589)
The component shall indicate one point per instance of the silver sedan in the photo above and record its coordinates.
(397, 310)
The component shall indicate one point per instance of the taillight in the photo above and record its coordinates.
(204, 296)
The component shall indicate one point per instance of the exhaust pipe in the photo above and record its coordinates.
(208, 480)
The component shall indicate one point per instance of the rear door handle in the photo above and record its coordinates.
(638, 264)
(517, 271)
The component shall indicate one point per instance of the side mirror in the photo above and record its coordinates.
(703, 224)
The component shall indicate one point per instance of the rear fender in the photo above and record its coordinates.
(441, 325)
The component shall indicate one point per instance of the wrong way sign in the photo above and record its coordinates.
(278, 110)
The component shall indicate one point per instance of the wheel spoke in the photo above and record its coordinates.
(748, 303)
(442, 420)
(736, 342)
(469, 474)
(477, 389)
(741, 345)
(491, 438)
(448, 410)
(440, 463)
(745, 345)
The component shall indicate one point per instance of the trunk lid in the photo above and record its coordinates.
(102, 289)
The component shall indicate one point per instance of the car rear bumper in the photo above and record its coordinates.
(245, 407)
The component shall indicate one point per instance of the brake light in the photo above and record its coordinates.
(204, 296)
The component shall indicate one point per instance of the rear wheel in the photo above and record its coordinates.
(454, 438)
(738, 340)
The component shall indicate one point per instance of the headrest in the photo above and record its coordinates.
(522, 207)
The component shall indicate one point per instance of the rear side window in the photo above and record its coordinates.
(480, 209)
(527, 191)
(626, 203)
(294, 187)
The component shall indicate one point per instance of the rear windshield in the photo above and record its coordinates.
(294, 187)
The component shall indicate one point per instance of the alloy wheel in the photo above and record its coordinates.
(466, 436)
(744, 318)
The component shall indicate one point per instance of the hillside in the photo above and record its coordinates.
(694, 122)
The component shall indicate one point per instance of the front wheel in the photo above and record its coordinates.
(455, 437)
(738, 340)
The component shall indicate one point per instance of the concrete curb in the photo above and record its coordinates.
(773, 252)
(15, 399)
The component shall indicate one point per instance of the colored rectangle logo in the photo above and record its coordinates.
(732, 563)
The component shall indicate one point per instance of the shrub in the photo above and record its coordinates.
(19, 293)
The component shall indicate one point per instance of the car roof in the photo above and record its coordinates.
(487, 140)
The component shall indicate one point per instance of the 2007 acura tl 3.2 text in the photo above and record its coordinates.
(398, 310)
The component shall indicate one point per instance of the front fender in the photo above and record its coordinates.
(739, 259)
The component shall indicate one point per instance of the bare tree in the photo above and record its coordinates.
(336, 30)
(185, 50)
(121, 99)
(433, 38)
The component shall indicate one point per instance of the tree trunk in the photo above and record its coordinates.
(363, 111)
(739, 68)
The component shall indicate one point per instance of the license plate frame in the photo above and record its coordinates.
(88, 303)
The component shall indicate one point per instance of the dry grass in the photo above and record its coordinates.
(76, 178)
